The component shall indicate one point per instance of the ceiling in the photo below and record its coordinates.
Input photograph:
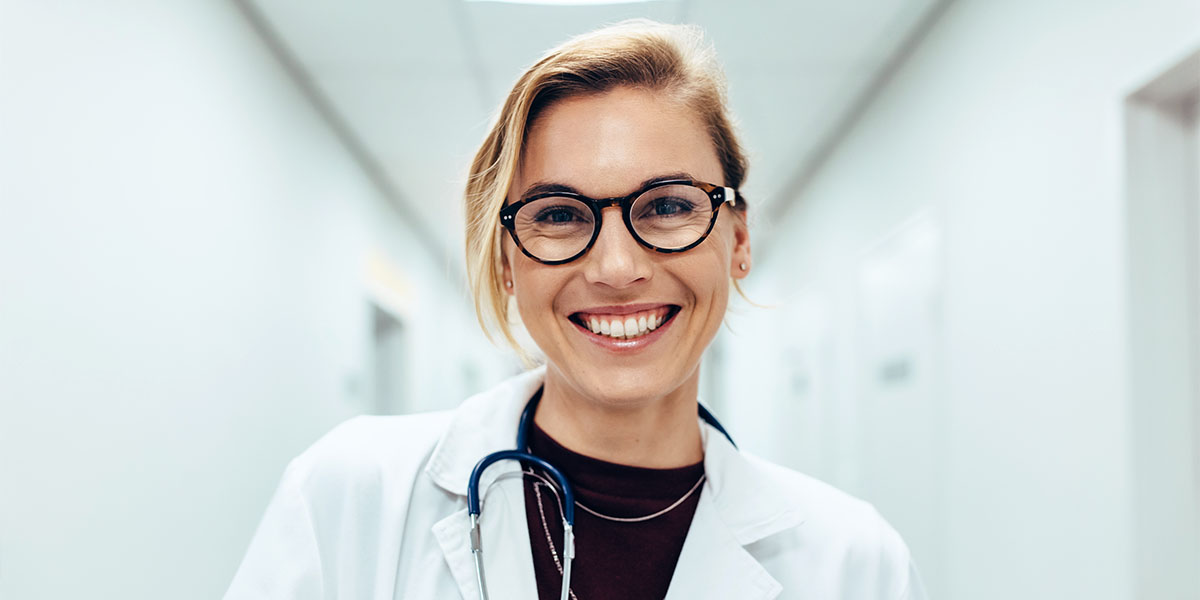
(410, 86)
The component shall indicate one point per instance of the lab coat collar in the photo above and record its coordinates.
(483, 424)
(742, 502)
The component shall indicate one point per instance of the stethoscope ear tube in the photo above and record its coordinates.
(477, 554)
(473, 496)
(474, 509)
(711, 420)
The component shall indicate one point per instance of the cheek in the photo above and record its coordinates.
(536, 288)
(718, 251)
(706, 275)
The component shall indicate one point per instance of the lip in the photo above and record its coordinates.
(629, 346)
(623, 309)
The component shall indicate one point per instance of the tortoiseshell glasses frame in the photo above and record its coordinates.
(717, 195)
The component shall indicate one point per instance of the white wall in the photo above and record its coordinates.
(1005, 128)
(185, 270)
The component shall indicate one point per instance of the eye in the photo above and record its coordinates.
(558, 214)
(667, 206)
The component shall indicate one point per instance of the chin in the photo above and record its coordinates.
(629, 386)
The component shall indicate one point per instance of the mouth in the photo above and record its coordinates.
(629, 326)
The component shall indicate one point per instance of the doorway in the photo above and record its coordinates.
(388, 348)
(1162, 136)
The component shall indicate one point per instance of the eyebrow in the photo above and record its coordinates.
(548, 187)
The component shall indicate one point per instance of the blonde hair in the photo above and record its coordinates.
(674, 59)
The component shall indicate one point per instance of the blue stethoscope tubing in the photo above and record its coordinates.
(474, 508)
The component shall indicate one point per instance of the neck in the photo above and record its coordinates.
(656, 432)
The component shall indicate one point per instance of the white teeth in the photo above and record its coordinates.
(617, 329)
(621, 329)
(631, 328)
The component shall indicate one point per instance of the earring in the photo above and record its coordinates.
(743, 266)
(508, 284)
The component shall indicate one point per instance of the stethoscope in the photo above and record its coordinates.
(568, 495)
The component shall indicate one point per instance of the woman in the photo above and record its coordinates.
(622, 295)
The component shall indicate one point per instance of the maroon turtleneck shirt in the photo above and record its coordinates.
(630, 561)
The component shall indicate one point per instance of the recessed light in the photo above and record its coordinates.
(563, 2)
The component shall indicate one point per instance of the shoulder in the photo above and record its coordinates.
(835, 512)
(392, 451)
(758, 498)
(369, 450)
(837, 539)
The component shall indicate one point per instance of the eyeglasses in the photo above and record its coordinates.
(666, 216)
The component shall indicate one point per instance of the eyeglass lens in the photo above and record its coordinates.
(667, 217)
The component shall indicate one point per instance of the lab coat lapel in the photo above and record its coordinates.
(713, 564)
(507, 556)
(741, 503)
(484, 424)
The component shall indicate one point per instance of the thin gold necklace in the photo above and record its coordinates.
(597, 513)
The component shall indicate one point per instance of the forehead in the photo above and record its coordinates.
(606, 144)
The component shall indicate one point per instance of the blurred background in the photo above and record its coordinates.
(227, 226)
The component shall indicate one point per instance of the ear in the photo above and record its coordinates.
(506, 268)
(741, 248)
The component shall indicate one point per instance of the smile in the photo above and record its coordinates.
(625, 326)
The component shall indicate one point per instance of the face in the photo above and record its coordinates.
(604, 146)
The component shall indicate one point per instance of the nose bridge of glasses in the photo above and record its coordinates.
(621, 204)
(612, 217)
(606, 203)
(615, 214)
(616, 255)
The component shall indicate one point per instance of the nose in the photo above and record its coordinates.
(616, 259)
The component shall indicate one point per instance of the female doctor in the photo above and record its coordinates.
(603, 205)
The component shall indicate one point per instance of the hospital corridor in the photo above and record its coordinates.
(943, 257)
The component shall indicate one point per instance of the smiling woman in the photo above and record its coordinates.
(636, 386)
(604, 206)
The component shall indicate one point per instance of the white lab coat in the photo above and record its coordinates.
(377, 510)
